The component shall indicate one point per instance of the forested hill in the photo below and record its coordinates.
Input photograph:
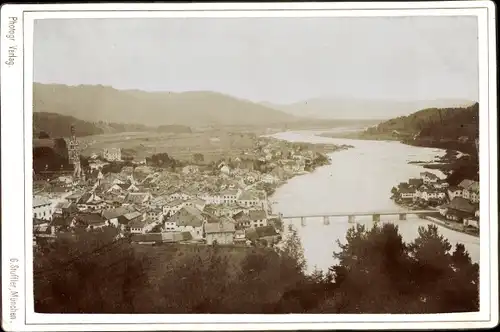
(436, 123)
(454, 128)
(57, 125)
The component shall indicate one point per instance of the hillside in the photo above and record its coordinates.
(57, 125)
(101, 103)
(343, 108)
(435, 123)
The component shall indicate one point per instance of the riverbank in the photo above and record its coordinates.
(360, 135)
(359, 179)
(452, 226)
(318, 157)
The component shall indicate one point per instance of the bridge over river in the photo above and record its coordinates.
(351, 216)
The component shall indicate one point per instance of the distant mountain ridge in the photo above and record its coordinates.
(95, 103)
(340, 108)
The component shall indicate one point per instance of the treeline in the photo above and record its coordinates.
(163, 160)
(376, 272)
(436, 123)
(175, 129)
(56, 125)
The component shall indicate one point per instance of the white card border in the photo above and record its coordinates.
(16, 200)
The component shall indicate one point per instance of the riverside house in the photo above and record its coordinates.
(470, 190)
(258, 218)
(458, 209)
(429, 177)
(454, 192)
(250, 198)
(407, 193)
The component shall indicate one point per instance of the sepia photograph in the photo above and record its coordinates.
(257, 165)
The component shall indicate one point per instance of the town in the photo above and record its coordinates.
(457, 206)
(162, 200)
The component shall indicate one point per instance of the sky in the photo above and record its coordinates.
(279, 60)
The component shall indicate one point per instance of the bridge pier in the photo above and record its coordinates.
(326, 220)
(402, 216)
(376, 217)
(351, 219)
(302, 221)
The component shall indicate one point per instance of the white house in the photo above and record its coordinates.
(196, 202)
(42, 208)
(225, 170)
(454, 192)
(250, 178)
(172, 207)
(407, 193)
(472, 222)
(470, 190)
(215, 199)
(188, 219)
(250, 198)
(179, 196)
(268, 178)
(139, 225)
(431, 194)
(428, 177)
(443, 209)
(258, 218)
(230, 196)
(440, 184)
(190, 169)
(474, 197)
(220, 233)
(112, 154)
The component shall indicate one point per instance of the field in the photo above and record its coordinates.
(212, 144)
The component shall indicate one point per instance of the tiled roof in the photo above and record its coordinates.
(91, 218)
(115, 213)
(219, 227)
(465, 184)
(132, 215)
(172, 236)
(461, 204)
(232, 192)
(149, 237)
(266, 231)
(407, 190)
(257, 214)
(39, 201)
(138, 223)
(248, 195)
(137, 197)
(474, 186)
(454, 188)
(187, 216)
(429, 174)
(175, 203)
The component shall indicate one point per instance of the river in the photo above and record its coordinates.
(358, 179)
